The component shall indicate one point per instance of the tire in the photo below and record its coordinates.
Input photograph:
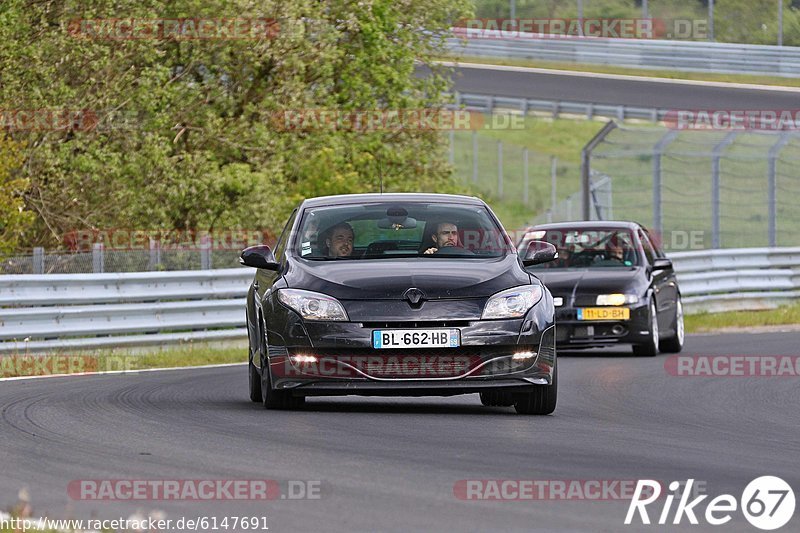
(497, 399)
(650, 348)
(277, 399)
(255, 381)
(541, 400)
(674, 344)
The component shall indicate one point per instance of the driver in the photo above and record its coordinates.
(615, 252)
(446, 235)
(340, 241)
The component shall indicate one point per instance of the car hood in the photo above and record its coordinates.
(591, 281)
(389, 279)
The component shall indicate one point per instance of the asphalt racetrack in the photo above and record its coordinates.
(391, 464)
(601, 89)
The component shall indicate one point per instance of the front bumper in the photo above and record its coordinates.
(578, 334)
(345, 363)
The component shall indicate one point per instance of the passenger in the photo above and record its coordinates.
(340, 241)
(446, 235)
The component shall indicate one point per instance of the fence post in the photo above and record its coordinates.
(205, 252)
(658, 151)
(500, 169)
(155, 254)
(553, 175)
(474, 156)
(774, 151)
(98, 258)
(525, 176)
(586, 166)
(715, 184)
(38, 260)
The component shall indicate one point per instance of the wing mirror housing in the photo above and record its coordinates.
(259, 256)
(539, 252)
(662, 263)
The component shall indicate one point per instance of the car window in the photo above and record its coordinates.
(280, 246)
(586, 247)
(655, 244)
(400, 229)
(649, 252)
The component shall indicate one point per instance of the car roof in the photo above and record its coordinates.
(589, 224)
(354, 199)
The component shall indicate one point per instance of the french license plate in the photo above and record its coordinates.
(604, 313)
(415, 338)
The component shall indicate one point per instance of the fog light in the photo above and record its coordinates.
(304, 359)
(521, 356)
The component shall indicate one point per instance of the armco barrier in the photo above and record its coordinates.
(737, 279)
(40, 312)
(73, 311)
(693, 56)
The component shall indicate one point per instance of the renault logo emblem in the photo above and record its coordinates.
(414, 296)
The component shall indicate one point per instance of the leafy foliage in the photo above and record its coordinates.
(179, 135)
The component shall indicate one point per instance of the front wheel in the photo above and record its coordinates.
(541, 400)
(277, 399)
(674, 344)
(649, 348)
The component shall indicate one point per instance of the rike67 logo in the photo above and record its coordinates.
(767, 503)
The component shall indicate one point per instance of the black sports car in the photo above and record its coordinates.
(612, 284)
(400, 294)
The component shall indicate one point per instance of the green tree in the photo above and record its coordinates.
(14, 219)
(183, 138)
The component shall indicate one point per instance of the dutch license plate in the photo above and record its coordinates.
(415, 338)
(604, 313)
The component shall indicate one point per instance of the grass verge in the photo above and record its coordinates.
(609, 69)
(128, 360)
(709, 322)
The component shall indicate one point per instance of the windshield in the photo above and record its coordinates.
(587, 248)
(400, 229)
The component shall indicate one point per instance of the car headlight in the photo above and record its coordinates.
(512, 303)
(616, 299)
(312, 305)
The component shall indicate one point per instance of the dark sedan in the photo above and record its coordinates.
(400, 294)
(612, 284)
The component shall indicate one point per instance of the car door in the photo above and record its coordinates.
(265, 279)
(662, 282)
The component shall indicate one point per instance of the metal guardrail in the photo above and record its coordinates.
(80, 311)
(41, 312)
(692, 56)
(490, 104)
(737, 279)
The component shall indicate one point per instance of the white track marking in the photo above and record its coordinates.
(109, 372)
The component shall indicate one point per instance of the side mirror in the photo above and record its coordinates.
(539, 252)
(259, 257)
(662, 263)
